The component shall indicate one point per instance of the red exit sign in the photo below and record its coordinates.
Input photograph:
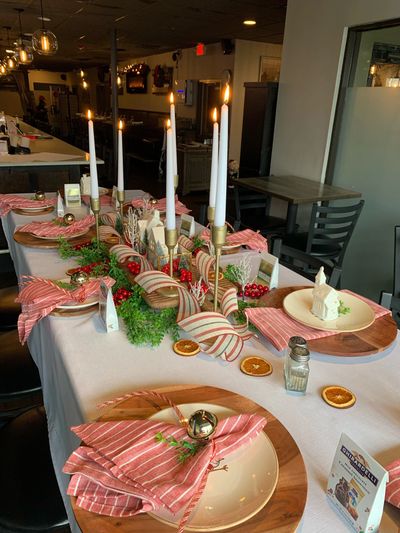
(200, 49)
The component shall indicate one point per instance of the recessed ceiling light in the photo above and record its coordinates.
(81, 37)
(249, 22)
(45, 19)
(8, 51)
(120, 18)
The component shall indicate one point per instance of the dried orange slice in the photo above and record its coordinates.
(186, 347)
(211, 276)
(339, 397)
(255, 366)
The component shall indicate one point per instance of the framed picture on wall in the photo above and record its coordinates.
(136, 83)
(270, 67)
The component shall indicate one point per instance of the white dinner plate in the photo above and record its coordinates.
(231, 497)
(66, 237)
(73, 305)
(36, 208)
(298, 305)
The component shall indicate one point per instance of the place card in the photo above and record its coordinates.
(269, 269)
(187, 227)
(60, 206)
(356, 486)
(85, 184)
(107, 312)
(114, 198)
(72, 194)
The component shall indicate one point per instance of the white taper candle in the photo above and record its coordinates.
(170, 192)
(214, 162)
(220, 204)
(173, 127)
(94, 184)
(120, 158)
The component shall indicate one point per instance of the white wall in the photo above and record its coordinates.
(310, 57)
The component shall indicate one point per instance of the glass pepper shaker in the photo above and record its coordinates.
(293, 341)
(297, 369)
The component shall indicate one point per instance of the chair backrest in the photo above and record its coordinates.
(333, 225)
(305, 264)
(245, 200)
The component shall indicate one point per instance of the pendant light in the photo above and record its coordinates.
(9, 60)
(44, 42)
(23, 53)
(3, 68)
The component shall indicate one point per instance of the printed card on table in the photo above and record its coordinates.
(72, 194)
(114, 197)
(187, 226)
(107, 311)
(356, 487)
(269, 269)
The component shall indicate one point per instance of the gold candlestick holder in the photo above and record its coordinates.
(121, 199)
(171, 238)
(176, 181)
(210, 215)
(95, 206)
(218, 236)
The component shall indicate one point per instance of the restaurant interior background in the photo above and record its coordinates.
(366, 155)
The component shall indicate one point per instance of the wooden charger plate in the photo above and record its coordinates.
(376, 338)
(282, 513)
(27, 239)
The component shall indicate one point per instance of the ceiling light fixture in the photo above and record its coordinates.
(249, 22)
(44, 42)
(9, 61)
(46, 19)
(22, 52)
(3, 69)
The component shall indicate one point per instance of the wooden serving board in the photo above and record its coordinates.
(27, 239)
(376, 338)
(282, 513)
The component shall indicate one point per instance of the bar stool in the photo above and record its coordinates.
(29, 496)
(20, 387)
(9, 309)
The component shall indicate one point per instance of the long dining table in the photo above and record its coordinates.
(81, 366)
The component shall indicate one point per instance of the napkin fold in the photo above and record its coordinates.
(15, 201)
(249, 238)
(38, 297)
(278, 327)
(161, 205)
(122, 470)
(392, 495)
(55, 229)
(105, 199)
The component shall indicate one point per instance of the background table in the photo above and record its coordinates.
(295, 191)
(81, 366)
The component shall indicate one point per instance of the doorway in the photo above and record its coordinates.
(365, 153)
(208, 97)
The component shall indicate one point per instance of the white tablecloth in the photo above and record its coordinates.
(80, 366)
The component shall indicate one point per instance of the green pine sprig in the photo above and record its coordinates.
(185, 448)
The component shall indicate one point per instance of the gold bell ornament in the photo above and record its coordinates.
(201, 425)
(40, 195)
(79, 278)
(69, 218)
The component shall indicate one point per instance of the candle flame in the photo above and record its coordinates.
(215, 115)
(89, 114)
(226, 94)
(171, 98)
(120, 125)
(168, 123)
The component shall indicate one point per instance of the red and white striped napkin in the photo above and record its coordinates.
(52, 229)
(38, 297)
(121, 470)
(249, 238)
(278, 327)
(161, 205)
(15, 201)
(105, 199)
(393, 487)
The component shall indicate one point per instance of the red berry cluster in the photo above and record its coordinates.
(252, 290)
(78, 247)
(121, 295)
(89, 268)
(134, 267)
(175, 266)
(185, 275)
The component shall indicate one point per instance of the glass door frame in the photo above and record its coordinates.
(348, 69)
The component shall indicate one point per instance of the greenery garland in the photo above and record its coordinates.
(144, 326)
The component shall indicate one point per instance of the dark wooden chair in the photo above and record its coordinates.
(9, 309)
(392, 300)
(305, 264)
(251, 210)
(329, 232)
(29, 496)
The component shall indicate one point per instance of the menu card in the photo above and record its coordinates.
(187, 227)
(269, 269)
(356, 486)
(72, 194)
(107, 312)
